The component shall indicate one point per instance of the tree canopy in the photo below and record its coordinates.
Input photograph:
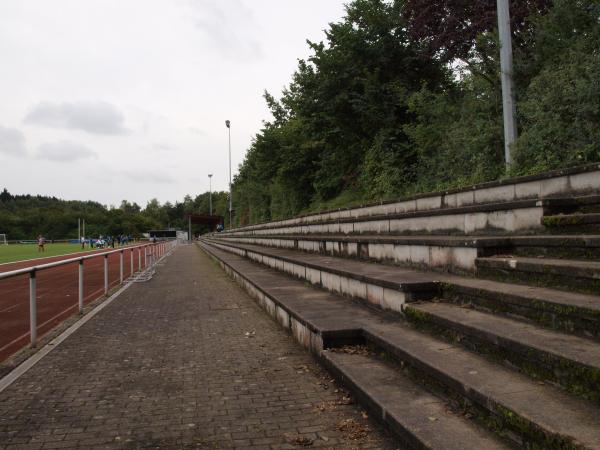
(404, 96)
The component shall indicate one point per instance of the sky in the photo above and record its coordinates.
(108, 100)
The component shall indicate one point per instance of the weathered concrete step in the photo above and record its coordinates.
(571, 312)
(574, 246)
(568, 360)
(563, 183)
(572, 204)
(542, 416)
(490, 218)
(504, 217)
(423, 420)
(547, 416)
(450, 253)
(455, 253)
(581, 276)
(383, 286)
(571, 220)
(559, 310)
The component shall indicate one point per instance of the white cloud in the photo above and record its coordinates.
(147, 85)
(12, 142)
(149, 177)
(229, 27)
(64, 151)
(92, 117)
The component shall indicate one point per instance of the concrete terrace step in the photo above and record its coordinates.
(569, 360)
(499, 217)
(551, 417)
(560, 310)
(582, 276)
(451, 253)
(514, 404)
(571, 220)
(422, 419)
(572, 204)
(556, 309)
(559, 183)
(383, 286)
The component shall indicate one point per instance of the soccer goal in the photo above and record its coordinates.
(3, 240)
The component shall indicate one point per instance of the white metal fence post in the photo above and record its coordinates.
(105, 274)
(81, 286)
(32, 308)
(121, 265)
(131, 262)
(145, 256)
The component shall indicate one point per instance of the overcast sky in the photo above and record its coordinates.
(127, 99)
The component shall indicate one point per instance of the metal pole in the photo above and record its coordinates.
(121, 265)
(145, 256)
(81, 286)
(32, 308)
(131, 262)
(228, 124)
(84, 228)
(78, 230)
(105, 274)
(210, 193)
(506, 75)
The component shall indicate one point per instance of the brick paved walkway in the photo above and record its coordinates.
(169, 365)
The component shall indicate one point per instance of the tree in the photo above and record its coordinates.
(449, 29)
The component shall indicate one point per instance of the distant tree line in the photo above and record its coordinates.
(405, 96)
(27, 216)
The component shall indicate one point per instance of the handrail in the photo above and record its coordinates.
(157, 251)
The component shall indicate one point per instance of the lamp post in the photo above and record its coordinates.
(210, 192)
(506, 75)
(228, 125)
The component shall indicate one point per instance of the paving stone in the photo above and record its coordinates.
(168, 365)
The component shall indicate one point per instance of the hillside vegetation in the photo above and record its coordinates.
(404, 96)
(26, 216)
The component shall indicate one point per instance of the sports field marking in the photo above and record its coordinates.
(78, 251)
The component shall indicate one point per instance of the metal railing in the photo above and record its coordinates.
(152, 253)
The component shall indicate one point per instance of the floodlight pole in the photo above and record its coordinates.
(506, 75)
(210, 192)
(228, 125)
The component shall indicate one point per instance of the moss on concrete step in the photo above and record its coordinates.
(561, 317)
(540, 364)
(567, 275)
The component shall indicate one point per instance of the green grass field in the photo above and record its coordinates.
(20, 252)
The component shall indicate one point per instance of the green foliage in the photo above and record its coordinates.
(560, 111)
(25, 217)
(389, 106)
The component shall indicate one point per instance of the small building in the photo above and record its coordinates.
(169, 234)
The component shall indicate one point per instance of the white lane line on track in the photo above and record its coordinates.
(74, 255)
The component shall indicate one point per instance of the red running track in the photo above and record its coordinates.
(57, 294)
